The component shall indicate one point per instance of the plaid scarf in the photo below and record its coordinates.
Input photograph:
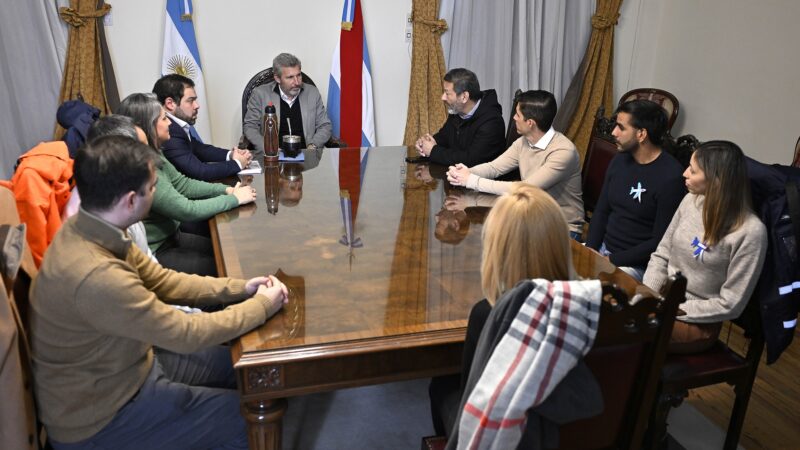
(554, 329)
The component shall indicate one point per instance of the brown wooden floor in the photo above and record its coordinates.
(773, 415)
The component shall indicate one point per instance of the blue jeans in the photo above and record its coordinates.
(635, 272)
(186, 402)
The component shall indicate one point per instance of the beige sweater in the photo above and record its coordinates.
(556, 169)
(99, 305)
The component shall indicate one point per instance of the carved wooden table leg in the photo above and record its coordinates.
(264, 423)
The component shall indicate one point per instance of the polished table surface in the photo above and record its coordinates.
(382, 261)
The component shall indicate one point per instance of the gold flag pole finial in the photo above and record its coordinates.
(187, 12)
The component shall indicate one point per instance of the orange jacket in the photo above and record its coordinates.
(41, 186)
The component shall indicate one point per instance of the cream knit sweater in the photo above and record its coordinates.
(720, 279)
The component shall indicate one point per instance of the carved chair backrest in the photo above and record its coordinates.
(602, 148)
(663, 98)
(626, 360)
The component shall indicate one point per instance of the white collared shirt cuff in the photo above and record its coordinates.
(230, 157)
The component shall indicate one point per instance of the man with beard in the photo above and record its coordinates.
(474, 132)
(184, 149)
(295, 102)
(642, 189)
(545, 158)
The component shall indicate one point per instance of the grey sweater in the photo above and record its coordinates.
(720, 279)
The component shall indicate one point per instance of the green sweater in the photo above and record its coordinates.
(179, 198)
(99, 305)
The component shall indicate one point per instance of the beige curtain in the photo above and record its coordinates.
(426, 112)
(593, 84)
(83, 72)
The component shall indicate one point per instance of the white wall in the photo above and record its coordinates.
(634, 37)
(237, 39)
(732, 64)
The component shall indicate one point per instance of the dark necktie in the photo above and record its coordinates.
(194, 135)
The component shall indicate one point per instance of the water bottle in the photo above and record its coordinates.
(271, 125)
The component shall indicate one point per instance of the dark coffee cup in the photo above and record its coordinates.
(291, 145)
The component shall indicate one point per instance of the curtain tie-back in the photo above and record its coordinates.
(600, 22)
(437, 26)
(77, 19)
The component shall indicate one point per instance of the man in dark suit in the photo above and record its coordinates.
(184, 149)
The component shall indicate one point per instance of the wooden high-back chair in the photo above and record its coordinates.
(626, 360)
(722, 363)
(602, 148)
(663, 98)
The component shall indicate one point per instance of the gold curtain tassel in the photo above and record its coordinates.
(602, 22)
(437, 26)
(72, 17)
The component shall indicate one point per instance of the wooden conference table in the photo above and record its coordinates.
(381, 276)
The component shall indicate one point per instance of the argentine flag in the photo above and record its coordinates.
(350, 105)
(181, 56)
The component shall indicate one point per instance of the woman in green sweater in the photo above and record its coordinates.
(716, 241)
(179, 198)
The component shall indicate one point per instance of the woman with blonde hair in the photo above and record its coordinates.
(716, 241)
(525, 236)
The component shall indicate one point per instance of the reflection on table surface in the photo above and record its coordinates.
(372, 247)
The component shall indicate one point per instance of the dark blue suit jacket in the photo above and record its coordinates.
(195, 159)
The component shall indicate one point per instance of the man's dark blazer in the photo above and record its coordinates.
(195, 159)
